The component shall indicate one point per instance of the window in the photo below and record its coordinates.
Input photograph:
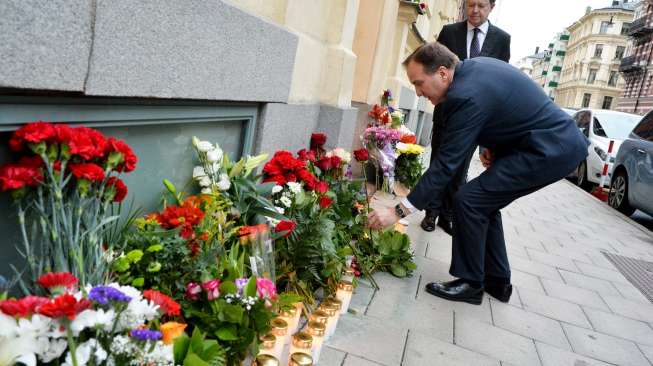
(614, 76)
(598, 129)
(645, 128)
(619, 54)
(604, 27)
(625, 28)
(607, 102)
(592, 76)
(586, 101)
(598, 51)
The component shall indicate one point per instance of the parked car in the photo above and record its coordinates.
(600, 127)
(631, 187)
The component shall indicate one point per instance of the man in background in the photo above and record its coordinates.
(468, 39)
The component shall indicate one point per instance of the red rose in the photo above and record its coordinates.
(361, 155)
(129, 159)
(54, 280)
(119, 189)
(322, 187)
(24, 307)
(408, 139)
(318, 140)
(325, 164)
(335, 161)
(285, 225)
(34, 132)
(65, 305)
(14, 176)
(89, 171)
(325, 202)
(166, 304)
(306, 155)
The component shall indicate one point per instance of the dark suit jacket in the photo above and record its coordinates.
(493, 104)
(496, 44)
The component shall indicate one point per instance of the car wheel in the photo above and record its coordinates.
(581, 177)
(618, 197)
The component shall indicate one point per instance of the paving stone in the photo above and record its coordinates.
(514, 299)
(648, 352)
(526, 280)
(553, 308)
(529, 325)
(587, 282)
(603, 273)
(370, 338)
(361, 298)
(629, 308)
(620, 326)
(424, 350)
(552, 356)
(631, 292)
(331, 357)
(535, 268)
(462, 310)
(552, 260)
(495, 342)
(352, 360)
(604, 347)
(574, 294)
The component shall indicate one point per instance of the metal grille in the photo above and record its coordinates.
(638, 272)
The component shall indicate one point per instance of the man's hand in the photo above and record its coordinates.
(382, 218)
(486, 158)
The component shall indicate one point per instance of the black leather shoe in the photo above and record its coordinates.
(499, 291)
(428, 223)
(457, 290)
(446, 225)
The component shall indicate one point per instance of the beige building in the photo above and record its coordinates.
(590, 72)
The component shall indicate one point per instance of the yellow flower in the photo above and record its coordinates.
(171, 330)
(403, 148)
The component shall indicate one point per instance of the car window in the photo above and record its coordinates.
(615, 125)
(645, 128)
(598, 129)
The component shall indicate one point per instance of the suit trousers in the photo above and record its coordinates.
(479, 248)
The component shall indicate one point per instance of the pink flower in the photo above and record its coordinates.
(212, 288)
(266, 288)
(193, 291)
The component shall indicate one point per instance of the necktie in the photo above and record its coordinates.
(475, 49)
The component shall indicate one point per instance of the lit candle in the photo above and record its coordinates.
(267, 346)
(300, 359)
(280, 331)
(316, 330)
(302, 342)
(289, 316)
(265, 360)
(344, 293)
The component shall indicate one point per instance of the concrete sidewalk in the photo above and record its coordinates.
(570, 305)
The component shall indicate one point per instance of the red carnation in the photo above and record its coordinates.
(89, 171)
(318, 140)
(361, 155)
(321, 187)
(325, 202)
(278, 179)
(185, 217)
(24, 307)
(119, 189)
(63, 133)
(98, 140)
(34, 132)
(408, 139)
(65, 305)
(57, 280)
(272, 168)
(169, 306)
(31, 161)
(81, 144)
(129, 159)
(13, 176)
(285, 225)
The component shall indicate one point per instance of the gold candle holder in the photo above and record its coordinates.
(268, 343)
(348, 274)
(316, 330)
(333, 311)
(265, 360)
(302, 342)
(280, 331)
(344, 294)
(289, 316)
(300, 359)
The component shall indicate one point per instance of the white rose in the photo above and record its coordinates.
(198, 172)
(206, 191)
(204, 146)
(214, 156)
(224, 183)
(276, 189)
(343, 154)
(205, 181)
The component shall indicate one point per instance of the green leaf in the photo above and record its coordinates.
(180, 348)
(250, 289)
(194, 360)
(228, 287)
(227, 333)
(138, 282)
(135, 255)
(398, 270)
(154, 248)
(121, 264)
(197, 341)
(233, 313)
(411, 266)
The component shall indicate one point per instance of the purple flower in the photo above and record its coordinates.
(241, 283)
(145, 334)
(104, 294)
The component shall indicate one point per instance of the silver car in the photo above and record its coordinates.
(632, 179)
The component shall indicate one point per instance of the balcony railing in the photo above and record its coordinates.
(641, 27)
(629, 64)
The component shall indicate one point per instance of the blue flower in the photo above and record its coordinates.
(145, 334)
(104, 294)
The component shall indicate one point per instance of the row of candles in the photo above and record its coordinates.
(304, 346)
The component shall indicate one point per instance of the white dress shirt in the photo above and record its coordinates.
(481, 35)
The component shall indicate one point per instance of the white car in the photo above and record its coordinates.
(600, 127)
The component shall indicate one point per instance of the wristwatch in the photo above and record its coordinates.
(400, 211)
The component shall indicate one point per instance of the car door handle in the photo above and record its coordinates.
(641, 151)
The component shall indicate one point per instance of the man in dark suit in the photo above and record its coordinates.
(530, 143)
(471, 38)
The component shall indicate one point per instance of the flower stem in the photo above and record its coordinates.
(71, 344)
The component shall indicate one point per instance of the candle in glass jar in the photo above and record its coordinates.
(316, 330)
(280, 331)
(338, 305)
(300, 359)
(299, 307)
(302, 342)
(265, 360)
(267, 345)
(344, 293)
(334, 312)
(289, 316)
(348, 274)
(319, 316)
